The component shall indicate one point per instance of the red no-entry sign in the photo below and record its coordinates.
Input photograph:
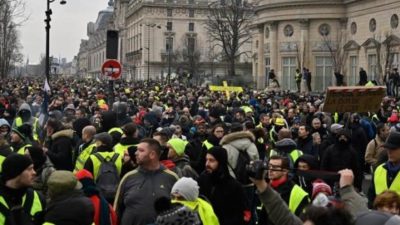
(111, 68)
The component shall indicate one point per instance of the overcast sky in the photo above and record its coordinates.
(68, 27)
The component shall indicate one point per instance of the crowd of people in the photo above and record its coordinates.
(142, 153)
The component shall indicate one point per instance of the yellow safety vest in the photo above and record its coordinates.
(34, 208)
(18, 123)
(296, 197)
(115, 129)
(336, 117)
(2, 158)
(208, 144)
(107, 157)
(83, 156)
(380, 181)
(294, 155)
(120, 148)
(204, 209)
(21, 150)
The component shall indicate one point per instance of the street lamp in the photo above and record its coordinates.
(151, 25)
(49, 12)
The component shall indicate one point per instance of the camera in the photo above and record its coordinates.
(256, 169)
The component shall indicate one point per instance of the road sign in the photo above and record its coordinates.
(111, 68)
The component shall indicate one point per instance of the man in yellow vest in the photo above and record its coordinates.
(128, 139)
(24, 116)
(294, 196)
(387, 175)
(19, 203)
(20, 138)
(87, 148)
(103, 149)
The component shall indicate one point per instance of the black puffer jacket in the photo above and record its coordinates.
(70, 209)
(60, 148)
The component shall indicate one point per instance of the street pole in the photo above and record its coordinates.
(49, 12)
(169, 63)
(148, 53)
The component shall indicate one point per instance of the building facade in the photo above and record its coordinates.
(157, 35)
(325, 37)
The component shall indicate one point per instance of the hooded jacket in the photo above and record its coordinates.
(225, 194)
(342, 156)
(29, 120)
(60, 149)
(239, 141)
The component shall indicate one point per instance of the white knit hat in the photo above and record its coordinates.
(187, 188)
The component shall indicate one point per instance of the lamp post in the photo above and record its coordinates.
(150, 25)
(49, 12)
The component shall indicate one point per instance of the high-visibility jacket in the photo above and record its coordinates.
(204, 209)
(2, 158)
(115, 129)
(83, 156)
(294, 154)
(207, 144)
(21, 150)
(296, 197)
(120, 148)
(107, 156)
(30, 202)
(35, 132)
(381, 182)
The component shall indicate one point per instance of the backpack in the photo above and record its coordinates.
(108, 179)
(240, 170)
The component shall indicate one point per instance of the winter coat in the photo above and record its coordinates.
(184, 169)
(60, 148)
(70, 208)
(374, 148)
(226, 196)
(338, 157)
(359, 142)
(137, 191)
(306, 146)
(284, 191)
(239, 141)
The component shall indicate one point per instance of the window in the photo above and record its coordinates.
(288, 73)
(352, 79)
(267, 68)
(191, 26)
(372, 66)
(323, 73)
(169, 44)
(169, 12)
(191, 2)
(191, 12)
(191, 45)
(395, 60)
(169, 26)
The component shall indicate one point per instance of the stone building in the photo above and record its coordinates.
(325, 36)
(92, 52)
(155, 34)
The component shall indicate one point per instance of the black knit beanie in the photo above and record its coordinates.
(14, 165)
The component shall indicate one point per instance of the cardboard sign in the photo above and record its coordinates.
(225, 88)
(354, 99)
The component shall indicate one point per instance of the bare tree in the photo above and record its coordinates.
(188, 58)
(228, 26)
(11, 17)
(336, 50)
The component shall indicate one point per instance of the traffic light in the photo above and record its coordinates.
(112, 44)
